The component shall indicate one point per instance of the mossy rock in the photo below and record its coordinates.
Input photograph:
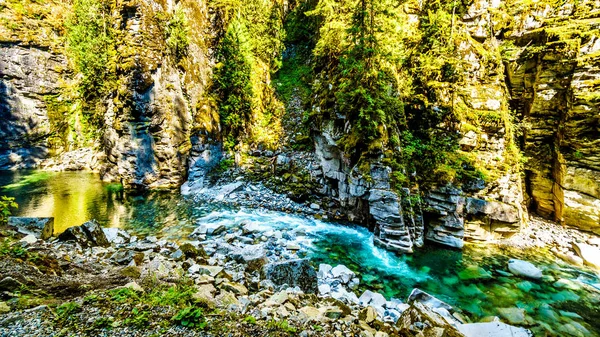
(190, 251)
(131, 272)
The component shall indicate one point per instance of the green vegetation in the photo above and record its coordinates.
(66, 311)
(233, 82)
(190, 317)
(7, 204)
(248, 51)
(281, 326)
(177, 34)
(90, 46)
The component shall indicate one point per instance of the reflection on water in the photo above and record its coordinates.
(73, 198)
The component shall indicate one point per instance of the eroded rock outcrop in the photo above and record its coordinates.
(397, 224)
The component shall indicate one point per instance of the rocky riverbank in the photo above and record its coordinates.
(235, 281)
(567, 243)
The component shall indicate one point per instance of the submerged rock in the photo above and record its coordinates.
(524, 268)
(493, 329)
(292, 273)
(513, 315)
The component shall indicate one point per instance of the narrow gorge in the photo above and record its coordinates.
(387, 137)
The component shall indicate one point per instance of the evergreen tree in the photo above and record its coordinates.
(233, 84)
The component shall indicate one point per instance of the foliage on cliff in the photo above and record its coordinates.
(248, 51)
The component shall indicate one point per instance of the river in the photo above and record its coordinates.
(566, 302)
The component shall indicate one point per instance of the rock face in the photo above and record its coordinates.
(148, 141)
(553, 86)
(292, 273)
(397, 223)
(28, 76)
(147, 122)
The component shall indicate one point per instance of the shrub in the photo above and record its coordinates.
(6, 206)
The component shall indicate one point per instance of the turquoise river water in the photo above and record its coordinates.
(566, 302)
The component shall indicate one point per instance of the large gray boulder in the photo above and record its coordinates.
(254, 257)
(89, 234)
(292, 273)
(41, 228)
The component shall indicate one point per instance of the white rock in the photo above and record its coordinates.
(354, 283)
(524, 268)
(314, 206)
(324, 289)
(345, 296)
(29, 239)
(324, 271)
(589, 254)
(116, 235)
(596, 240)
(492, 329)
(373, 299)
(343, 273)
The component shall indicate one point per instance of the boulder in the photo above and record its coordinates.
(524, 268)
(205, 292)
(420, 320)
(292, 273)
(41, 228)
(373, 299)
(236, 288)
(418, 295)
(324, 271)
(343, 273)
(29, 239)
(4, 308)
(253, 256)
(192, 252)
(10, 284)
(590, 254)
(116, 235)
(368, 314)
(493, 329)
(134, 286)
(89, 234)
